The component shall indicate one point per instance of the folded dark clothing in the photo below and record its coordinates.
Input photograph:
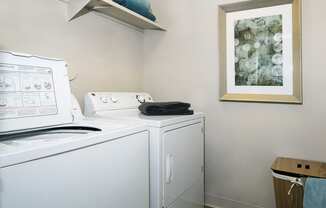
(165, 108)
(138, 7)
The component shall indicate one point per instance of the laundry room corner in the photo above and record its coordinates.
(162, 104)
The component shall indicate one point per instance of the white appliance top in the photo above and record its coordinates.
(154, 121)
(125, 106)
(25, 148)
(34, 92)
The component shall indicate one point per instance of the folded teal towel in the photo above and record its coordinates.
(141, 3)
(315, 193)
(142, 7)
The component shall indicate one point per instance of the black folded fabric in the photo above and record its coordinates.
(165, 108)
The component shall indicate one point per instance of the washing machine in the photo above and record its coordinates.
(50, 156)
(176, 147)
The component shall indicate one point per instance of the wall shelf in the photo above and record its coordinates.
(77, 8)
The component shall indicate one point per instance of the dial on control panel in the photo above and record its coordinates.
(104, 99)
(140, 98)
(114, 99)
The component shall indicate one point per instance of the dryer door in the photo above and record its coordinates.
(183, 172)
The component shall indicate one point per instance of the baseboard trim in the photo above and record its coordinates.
(216, 201)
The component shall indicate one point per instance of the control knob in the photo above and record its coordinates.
(140, 98)
(104, 99)
(114, 99)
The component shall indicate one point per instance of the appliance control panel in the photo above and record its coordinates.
(26, 91)
(106, 101)
(34, 93)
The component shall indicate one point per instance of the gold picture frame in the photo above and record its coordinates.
(295, 97)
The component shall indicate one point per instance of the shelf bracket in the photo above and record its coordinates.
(77, 8)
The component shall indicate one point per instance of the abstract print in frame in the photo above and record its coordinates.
(260, 51)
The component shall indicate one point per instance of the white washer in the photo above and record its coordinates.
(51, 157)
(77, 168)
(176, 147)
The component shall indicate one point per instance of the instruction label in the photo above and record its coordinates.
(26, 91)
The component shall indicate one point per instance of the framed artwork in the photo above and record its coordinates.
(260, 51)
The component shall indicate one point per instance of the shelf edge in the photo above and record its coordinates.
(76, 8)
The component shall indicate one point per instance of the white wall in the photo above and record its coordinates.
(104, 54)
(182, 64)
(242, 138)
